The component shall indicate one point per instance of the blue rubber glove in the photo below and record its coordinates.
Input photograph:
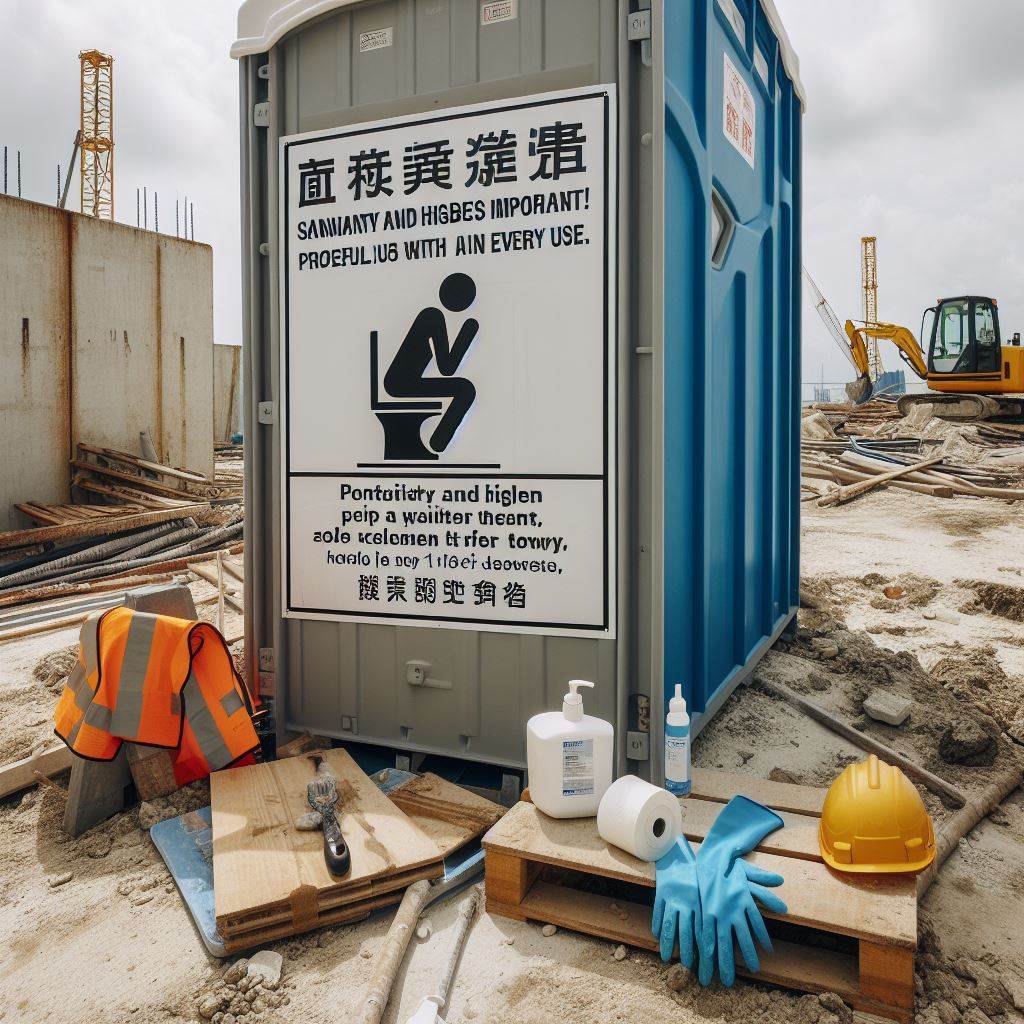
(677, 902)
(728, 886)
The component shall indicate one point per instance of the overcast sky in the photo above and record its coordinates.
(913, 133)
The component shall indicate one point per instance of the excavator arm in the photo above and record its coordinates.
(901, 337)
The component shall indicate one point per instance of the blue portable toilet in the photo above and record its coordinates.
(596, 204)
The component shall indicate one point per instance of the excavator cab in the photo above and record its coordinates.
(964, 337)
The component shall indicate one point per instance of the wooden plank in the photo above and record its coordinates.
(145, 483)
(882, 909)
(283, 914)
(147, 497)
(259, 857)
(18, 775)
(234, 569)
(130, 494)
(507, 879)
(797, 838)
(449, 814)
(211, 577)
(98, 526)
(353, 912)
(134, 460)
(887, 975)
(780, 796)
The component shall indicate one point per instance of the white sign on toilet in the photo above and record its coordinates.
(448, 311)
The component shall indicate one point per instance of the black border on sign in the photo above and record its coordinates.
(603, 95)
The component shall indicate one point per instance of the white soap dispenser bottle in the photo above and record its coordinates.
(569, 758)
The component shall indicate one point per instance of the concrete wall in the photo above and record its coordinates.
(105, 330)
(227, 391)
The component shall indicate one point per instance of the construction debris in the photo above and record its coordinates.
(918, 453)
(155, 519)
(885, 706)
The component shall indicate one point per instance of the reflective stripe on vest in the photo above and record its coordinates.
(127, 718)
(204, 728)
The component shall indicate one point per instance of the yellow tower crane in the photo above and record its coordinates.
(97, 134)
(869, 286)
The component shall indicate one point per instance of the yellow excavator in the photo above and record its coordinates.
(969, 372)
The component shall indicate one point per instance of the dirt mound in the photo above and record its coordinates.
(960, 989)
(976, 677)
(52, 669)
(26, 721)
(861, 665)
(998, 598)
(905, 591)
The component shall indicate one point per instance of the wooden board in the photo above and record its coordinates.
(781, 796)
(264, 868)
(17, 775)
(449, 814)
(855, 935)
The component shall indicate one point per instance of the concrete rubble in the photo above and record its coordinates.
(888, 707)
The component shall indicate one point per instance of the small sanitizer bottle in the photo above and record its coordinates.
(677, 746)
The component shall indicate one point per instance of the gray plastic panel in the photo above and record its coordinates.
(334, 674)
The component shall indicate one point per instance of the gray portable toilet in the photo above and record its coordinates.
(521, 334)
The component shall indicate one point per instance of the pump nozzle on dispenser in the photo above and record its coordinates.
(572, 702)
(677, 704)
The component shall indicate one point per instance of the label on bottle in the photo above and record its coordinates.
(677, 762)
(577, 767)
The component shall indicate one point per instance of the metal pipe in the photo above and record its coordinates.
(195, 547)
(90, 554)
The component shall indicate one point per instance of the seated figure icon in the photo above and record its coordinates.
(413, 397)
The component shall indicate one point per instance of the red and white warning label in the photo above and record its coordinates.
(739, 117)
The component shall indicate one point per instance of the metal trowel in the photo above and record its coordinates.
(322, 796)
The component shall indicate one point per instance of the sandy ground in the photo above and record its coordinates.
(114, 943)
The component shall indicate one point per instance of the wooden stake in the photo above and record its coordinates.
(841, 495)
(392, 953)
(220, 593)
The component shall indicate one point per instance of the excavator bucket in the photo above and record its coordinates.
(859, 390)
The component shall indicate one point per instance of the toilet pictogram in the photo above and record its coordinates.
(411, 396)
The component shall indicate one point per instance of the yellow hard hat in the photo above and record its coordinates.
(874, 820)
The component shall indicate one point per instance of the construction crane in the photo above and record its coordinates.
(97, 134)
(869, 288)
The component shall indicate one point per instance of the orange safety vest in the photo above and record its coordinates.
(161, 682)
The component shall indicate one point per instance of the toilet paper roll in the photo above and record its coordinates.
(639, 818)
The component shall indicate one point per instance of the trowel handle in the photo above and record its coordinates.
(336, 855)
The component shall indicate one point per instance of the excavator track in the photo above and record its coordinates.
(960, 408)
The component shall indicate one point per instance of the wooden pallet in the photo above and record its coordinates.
(853, 935)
